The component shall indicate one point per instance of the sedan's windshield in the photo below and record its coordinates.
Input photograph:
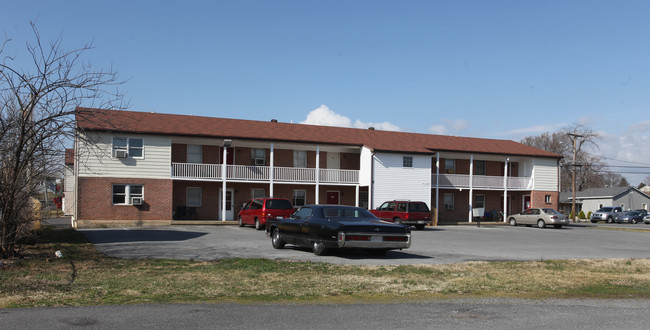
(346, 212)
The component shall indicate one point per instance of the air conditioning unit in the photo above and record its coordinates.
(259, 161)
(120, 153)
(136, 200)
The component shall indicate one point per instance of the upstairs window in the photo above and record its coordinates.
(407, 161)
(194, 154)
(450, 166)
(124, 147)
(258, 156)
(479, 167)
(300, 158)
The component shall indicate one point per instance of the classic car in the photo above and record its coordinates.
(540, 217)
(330, 227)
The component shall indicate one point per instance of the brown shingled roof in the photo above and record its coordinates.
(185, 125)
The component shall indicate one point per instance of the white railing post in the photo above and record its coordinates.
(471, 179)
(271, 172)
(317, 194)
(505, 189)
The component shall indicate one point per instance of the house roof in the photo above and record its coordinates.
(196, 126)
(598, 193)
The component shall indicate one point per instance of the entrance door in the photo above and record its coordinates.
(526, 202)
(229, 204)
(333, 197)
(334, 160)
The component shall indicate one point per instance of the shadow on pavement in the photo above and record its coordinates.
(99, 236)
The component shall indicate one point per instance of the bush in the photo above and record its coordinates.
(581, 215)
(589, 215)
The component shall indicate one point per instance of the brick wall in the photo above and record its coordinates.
(538, 199)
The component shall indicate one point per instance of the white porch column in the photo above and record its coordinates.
(471, 184)
(271, 170)
(223, 179)
(317, 175)
(356, 201)
(437, 186)
(505, 189)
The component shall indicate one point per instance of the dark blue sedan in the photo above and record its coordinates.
(629, 217)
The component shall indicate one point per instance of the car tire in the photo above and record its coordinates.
(240, 222)
(258, 225)
(594, 221)
(634, 221)
(419, 227)
(397, 221)
(609, 220)
(541, 223)
(276, 239)
(558, 226)
(319, 248)
(512, 222)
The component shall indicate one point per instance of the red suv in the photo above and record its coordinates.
(404, 212)
(258, 210)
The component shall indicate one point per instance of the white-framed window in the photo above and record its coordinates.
(123, 193)
(547, 199)
(300, 158)
(134, 148)
(193, 197)
(407, 161)
(480, 167)
(194, 153)
(450, 166)
(644, 206)
(449, 201)
(257, 193)
(299, 197)
(479, 201)
(258, 156)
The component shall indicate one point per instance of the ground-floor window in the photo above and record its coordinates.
(194, 197)
(547, 199)
(123, 194)
(299, 197)
(449, 202)
(479, 201)
(257, 193)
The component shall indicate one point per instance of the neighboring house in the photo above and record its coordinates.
(137, 168)
(590, 200)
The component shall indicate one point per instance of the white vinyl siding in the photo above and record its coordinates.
(99, 162)
(365, 165)
(545, 174)
(393, 181)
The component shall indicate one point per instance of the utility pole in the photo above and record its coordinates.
(575, 138)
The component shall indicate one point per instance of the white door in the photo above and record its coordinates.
(333, 165)
(230, 215)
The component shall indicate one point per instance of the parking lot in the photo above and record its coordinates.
(434, 245)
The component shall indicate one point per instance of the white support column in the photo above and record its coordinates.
(223, 188)
(437, 186)
(271, 170)
(317, 194)
(471, 185)
(505, 189)
(356, 201)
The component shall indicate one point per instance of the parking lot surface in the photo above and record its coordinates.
(434, 245)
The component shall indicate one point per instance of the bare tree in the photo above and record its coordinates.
(38, 107)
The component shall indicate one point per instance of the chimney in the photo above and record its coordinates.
(274, 120)
(371, 128)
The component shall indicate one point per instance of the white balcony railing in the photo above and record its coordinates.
(482, 182)
(211, 172)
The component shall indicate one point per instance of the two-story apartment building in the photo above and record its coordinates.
(140, 168)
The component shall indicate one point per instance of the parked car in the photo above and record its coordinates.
(628, 217)
(646, 219)
(643, 212)
(327, 227)
(257, 211)
(540, 217)
(405, 212)
(605, 214)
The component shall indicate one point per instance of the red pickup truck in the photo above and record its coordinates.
(405, 212)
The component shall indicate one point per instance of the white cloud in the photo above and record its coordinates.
(438, 129)
(449, 127)
(325, 116)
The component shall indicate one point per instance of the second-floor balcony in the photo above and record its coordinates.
(482, 182)
(249, 173)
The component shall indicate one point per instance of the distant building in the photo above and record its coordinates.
(590, 200)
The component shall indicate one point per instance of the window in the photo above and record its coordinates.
(299, 197)
(194, 197)
(123, 193)
(300, 158)
(449, 201)
(479, 201)
(133, 147)
(401, 207)
(547, 199)
(194, 153)
(479, 167)
(450, 166)
(258, 156)
(407, 161)
(257, 193)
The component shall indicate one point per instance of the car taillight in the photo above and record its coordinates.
(357, 238)
(341, 236)
(554, 217)
(396, 238)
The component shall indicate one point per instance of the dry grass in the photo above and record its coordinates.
(85, 277)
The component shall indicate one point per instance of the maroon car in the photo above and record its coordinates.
(405, 212)
(258, 210)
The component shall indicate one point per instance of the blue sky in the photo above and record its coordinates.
(492, 69)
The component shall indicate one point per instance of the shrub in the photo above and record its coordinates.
(581, 215)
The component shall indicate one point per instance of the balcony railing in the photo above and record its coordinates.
(212, 172)
(482, 182)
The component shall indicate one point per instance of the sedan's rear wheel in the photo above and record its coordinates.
(319, 248)
(634, 221)
(513, 222)
(258, 225)
(541, 223)
(557, 226)
(276, 239)
(610, 220)
(240, 222)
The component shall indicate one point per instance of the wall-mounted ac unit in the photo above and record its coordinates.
(259, 161)
(120, 153)
(136, 200)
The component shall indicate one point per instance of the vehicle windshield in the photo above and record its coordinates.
(605, 209)
(551, 211)
(278, 204)
(418, 207)
(346, 212)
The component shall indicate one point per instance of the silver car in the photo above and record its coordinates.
(540, 217)
(646, 219)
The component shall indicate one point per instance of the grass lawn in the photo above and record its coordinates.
(85, 277)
